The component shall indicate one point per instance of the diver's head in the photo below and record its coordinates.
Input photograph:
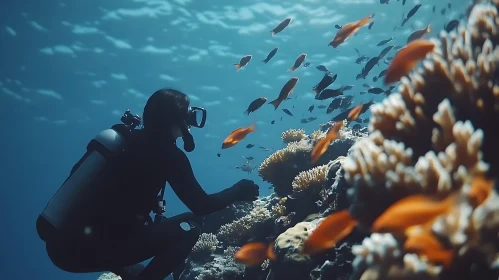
(167, 114)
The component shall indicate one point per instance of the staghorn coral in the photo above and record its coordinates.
(314, 178)
(433, 137)
(295, 158)
(293, 135)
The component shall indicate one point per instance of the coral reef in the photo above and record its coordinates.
(433, 137)
(295, 158)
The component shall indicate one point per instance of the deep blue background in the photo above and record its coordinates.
(42, 48)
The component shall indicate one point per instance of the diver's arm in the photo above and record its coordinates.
(184, 184)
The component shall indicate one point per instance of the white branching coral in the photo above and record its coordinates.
(315, 178)
(435, 137)
(293, 135)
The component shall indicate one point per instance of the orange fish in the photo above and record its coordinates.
(255, 253)
(407, 58)
(237, 135)
(348, 30)
(322, 145)
(426, 245)
(298, 62)
(329, 232)
(480, 190)
(243, 62)
(286, 90)
(410, 211)
(355, 112)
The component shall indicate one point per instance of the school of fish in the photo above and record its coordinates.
(410, 216)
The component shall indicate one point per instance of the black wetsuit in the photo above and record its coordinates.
(121, 239)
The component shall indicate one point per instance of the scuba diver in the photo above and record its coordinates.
(99, 219)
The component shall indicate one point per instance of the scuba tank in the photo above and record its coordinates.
(75, 198)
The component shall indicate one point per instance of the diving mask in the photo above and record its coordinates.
(196, 116)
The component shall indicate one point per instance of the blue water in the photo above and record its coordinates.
(69, 69)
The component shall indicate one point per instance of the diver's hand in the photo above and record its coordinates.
(246, 190)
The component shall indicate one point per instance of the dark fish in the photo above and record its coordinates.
(361, 59)
(335, 104)
(286, 90)
(287, 112)
(369, 66)
(366, 86)
(382, 73)
(442, 12)
(348, 87)
(337, 26)
(451, 25)
(389, 90)
(218, 155)
(307, 64)
(375, 79)
(347, 99)
(249, 146)
(375, 90)
(397, 47)
(449, 5)
(434, 8)
(248, 158)
(311, 119)
(272, 122)
(324, 83)
(311, 108)
(303, 121)
(243, 62)
(329, 93)
(418, 34)
(341, 116)
(403, 2)
(370, 25)
(322, 68)
(384, 42)
(255, 105)
(359, 76)
(362, 92)
(366, 107)
(384, 52)
(384, 1)
(321, 106)
(280, 27)
(411, 13)
(299, 60)
(270, 55)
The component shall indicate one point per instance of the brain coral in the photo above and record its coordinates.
(433, 137)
